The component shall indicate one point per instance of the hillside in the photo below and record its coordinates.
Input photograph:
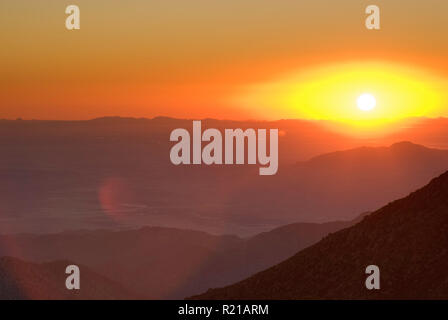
(407, 239)
(21, 280)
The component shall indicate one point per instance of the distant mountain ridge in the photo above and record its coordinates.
(407, 239)
(402, 148)
(169, 263)
(112, 172)
(350, 181)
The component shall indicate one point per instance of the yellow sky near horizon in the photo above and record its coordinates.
(205, 58)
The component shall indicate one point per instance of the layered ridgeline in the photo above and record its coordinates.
(168, 263)
(407, 240)
(113, 173)
(21, 280)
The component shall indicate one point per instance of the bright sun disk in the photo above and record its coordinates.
(366, 102)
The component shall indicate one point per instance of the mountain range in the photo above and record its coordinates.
(168, 263)
(115, 173)
(109, 177)
(406, 239)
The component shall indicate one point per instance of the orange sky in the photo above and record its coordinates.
(205, 58)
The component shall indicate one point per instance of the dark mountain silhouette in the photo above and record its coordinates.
(170, 263)
(407, 239)
(20, 280)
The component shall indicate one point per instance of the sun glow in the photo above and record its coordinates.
(328, 92)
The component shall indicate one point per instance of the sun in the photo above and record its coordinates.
(366, 102)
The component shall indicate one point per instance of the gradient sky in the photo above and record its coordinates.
(204, 58)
